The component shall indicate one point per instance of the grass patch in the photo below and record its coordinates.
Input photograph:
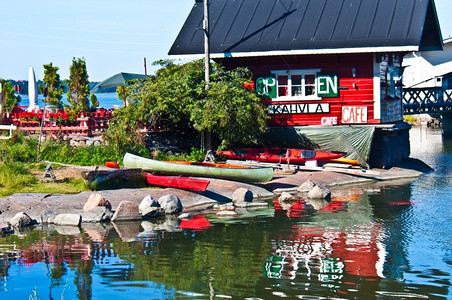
(73, 186)
(14, 177)
(19, 172)
(17, 178)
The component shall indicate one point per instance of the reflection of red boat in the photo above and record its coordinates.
(180, 182)
(198, 222)
(281, 155)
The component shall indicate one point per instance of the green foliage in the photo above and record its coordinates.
(93, 100)
(18, 149)
(175, 100)
(8, 99)
(78, 92)
(18, 156)
(194, 155)
(55, 87)
(14, 176)
(231, 111)
(85, 156)
(122, 94)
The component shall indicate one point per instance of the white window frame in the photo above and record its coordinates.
(289, 74)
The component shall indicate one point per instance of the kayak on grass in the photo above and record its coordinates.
(211, 170)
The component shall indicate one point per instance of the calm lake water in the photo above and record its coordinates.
(380, 241)
(106, 100)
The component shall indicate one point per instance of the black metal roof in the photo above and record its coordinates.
(272, 27)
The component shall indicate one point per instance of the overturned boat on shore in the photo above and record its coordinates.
(211, 170)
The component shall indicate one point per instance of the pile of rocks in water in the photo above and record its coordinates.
(316, 195)
(241, 198)
(97, 210)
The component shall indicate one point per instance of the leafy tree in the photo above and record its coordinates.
(121, 91)
(8, 99)
(232, 112)
(175, 100)
(55, 87)
(78, 92)
(94, 101)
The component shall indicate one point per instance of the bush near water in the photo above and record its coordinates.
(18, 163)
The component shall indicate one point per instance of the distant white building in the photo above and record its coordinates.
(429, 69)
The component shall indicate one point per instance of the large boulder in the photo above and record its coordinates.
(242, 195)
(47, 217)
(319, 192)
(21, 219)
(306, 187)
(150, 208)
(285, 197)
(96, 200)
(68, 219)
(126, 211)
(98, 214)
(171, 204)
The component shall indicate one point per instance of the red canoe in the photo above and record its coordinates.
(180, 182)
(280, 155)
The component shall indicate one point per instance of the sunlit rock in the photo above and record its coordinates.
(68, 219)
(21, 219)
(285, 197)
(150, 208)
(126, 211)
(319, 192)
(171, 204)
(306, 187)
(242, 195)
(98, 214)
(96, 200)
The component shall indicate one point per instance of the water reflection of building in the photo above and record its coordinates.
(354, 239)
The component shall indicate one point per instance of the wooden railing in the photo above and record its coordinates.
(93, 123)
(433, 101)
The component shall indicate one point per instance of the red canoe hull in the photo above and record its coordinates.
(180, 182)
(280, 155)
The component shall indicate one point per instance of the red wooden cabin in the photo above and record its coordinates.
(324, 63)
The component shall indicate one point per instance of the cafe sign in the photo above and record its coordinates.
(354, 115)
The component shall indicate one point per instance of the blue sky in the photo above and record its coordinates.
(112, 35)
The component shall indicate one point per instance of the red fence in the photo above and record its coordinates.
(59, 123)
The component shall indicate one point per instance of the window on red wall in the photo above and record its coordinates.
(296, 84)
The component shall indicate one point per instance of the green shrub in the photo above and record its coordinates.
(14, 176)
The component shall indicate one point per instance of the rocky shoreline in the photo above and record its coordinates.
(116, 206)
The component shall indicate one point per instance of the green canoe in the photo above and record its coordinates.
(211, 170)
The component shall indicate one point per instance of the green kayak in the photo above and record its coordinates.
(211, 170)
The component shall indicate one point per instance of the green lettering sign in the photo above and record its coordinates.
(327, 85)
(266, 85)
